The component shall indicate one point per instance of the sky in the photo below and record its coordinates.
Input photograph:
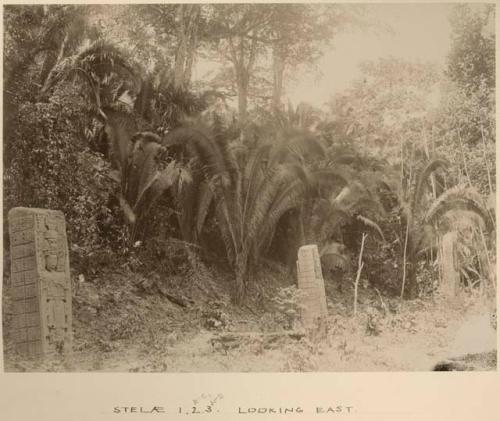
(420, 32)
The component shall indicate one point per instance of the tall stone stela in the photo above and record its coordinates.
(40, 282)
(312, 286)
(450, 274)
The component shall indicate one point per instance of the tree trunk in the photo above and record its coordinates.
(451, 276)
(191, 53)
(187, 16)
(180, 53)
(241, 272)
(485, 152)
(180, 57)
(242, 97)
(411, 290)
(302, 230)
(278, 71)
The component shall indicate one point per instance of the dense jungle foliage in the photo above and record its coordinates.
(103, 122)
(166, 175)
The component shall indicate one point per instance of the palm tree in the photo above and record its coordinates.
(353, 196)
(108, 75)
(113, 83)
(64, 31)
(421, 215)
(142, 176)
(303, 116)
(249, 208)
(251, 187)
(460, 219)
(204, 155)
(119, 96)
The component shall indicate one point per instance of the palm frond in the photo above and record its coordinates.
(422, 179)
(287, 198)
(324, 220)
(334, 261)
(120, 128)
(458, 198)
(95, 64)
(372, 224)
(296, 145)
(198, 142)
(127, 210)
(355, 197)
(204, 200)
(103, 58)
(260, 204)
(226, 229)
(164, 179)
(185, 197)
(253, 176)
(142, 165)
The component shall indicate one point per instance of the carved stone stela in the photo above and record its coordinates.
(312, 285)
(449, 259)
(40, 281)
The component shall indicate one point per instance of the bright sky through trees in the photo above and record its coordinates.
(419, 32)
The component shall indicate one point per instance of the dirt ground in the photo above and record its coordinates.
(126, 329)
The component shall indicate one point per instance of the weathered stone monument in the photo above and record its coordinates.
(40, 282)
(312, 286)
(450, 275)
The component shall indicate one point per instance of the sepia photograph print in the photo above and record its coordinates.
(228, 188)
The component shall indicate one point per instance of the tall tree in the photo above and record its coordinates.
(471, 60)
(164, 37)
(467, 116)
(38, 34)
(187, 28)
(298, 33)
(237, 38)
